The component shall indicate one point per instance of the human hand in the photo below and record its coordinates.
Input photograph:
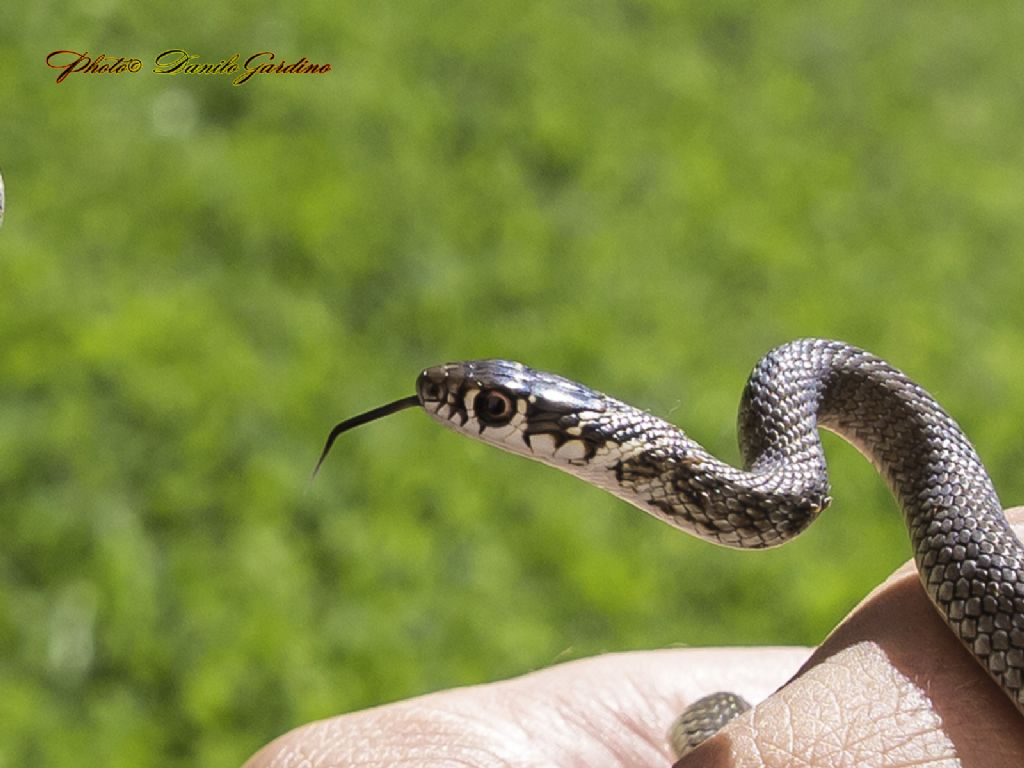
(891, 686)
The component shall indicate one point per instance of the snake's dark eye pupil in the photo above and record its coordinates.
(494, 408)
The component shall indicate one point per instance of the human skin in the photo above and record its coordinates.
(891, 686)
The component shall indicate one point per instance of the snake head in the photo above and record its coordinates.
(536, 414)
(522, 410)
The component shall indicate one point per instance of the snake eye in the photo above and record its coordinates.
(494, 408)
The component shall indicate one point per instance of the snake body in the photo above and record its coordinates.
(970, 562)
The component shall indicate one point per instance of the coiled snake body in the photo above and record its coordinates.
(969, 560)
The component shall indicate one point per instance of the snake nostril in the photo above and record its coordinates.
(430, 389)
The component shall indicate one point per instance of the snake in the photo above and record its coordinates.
(970, 562)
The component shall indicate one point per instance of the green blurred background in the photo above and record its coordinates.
(198, 280)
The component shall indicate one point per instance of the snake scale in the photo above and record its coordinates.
(970, 562)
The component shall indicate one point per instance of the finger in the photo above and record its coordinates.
(611, 710)
(891, 686)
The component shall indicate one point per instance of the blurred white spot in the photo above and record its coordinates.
(174, 114)
(71, 647)
(1, 199)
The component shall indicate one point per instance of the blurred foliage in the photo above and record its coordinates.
(199, 280)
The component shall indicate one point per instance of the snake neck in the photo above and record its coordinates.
(928, 463)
